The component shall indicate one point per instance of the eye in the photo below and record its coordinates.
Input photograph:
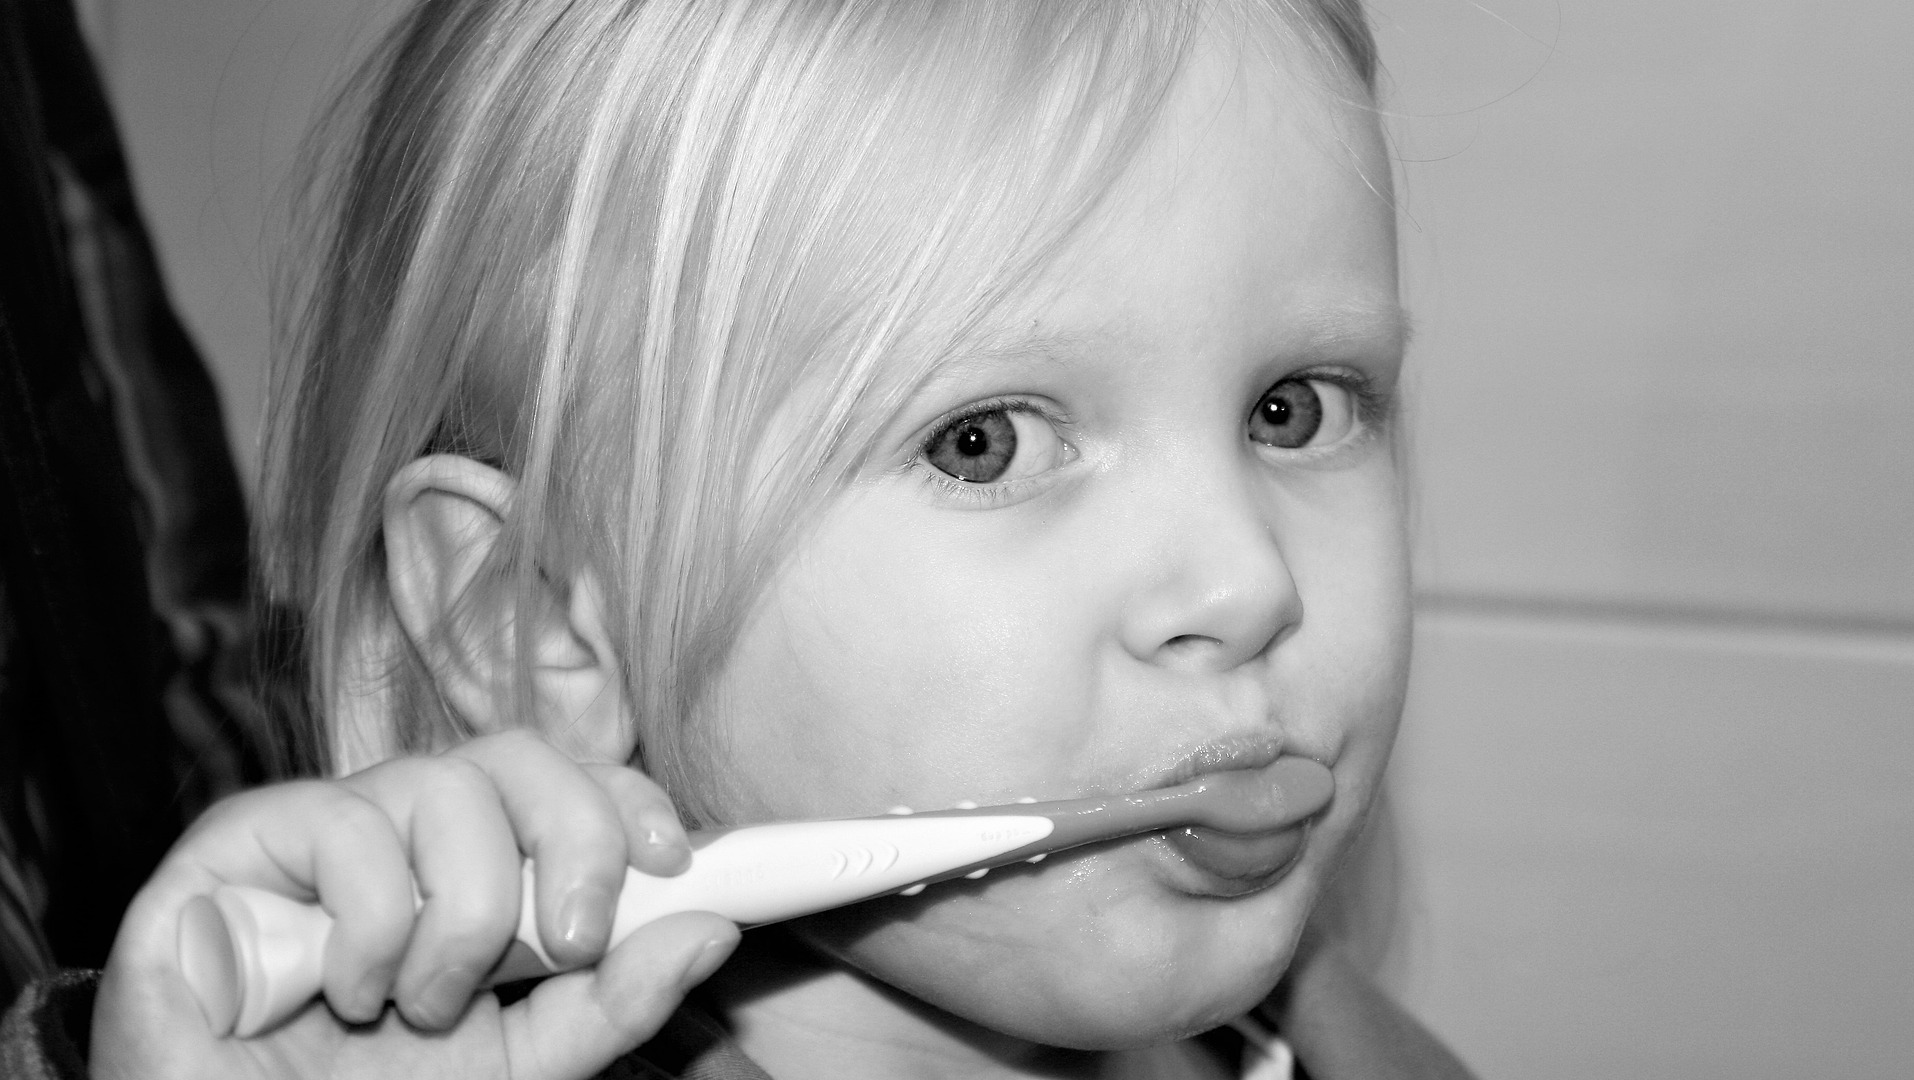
(1298, 413)
(995, 445)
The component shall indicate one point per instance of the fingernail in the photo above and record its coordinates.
(584, 917)
(707, 959)
(666, 838)
(663, 829)
(666, 857)
(445, 996)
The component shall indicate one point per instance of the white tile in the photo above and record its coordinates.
(1663, 268)
(1660, 853)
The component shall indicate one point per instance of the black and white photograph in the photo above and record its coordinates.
(956, 540)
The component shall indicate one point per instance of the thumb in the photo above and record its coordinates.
(575, 1025)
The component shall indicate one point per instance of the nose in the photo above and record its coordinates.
(1217, 591)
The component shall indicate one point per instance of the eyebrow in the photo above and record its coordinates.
(1324, 327)
(981, 355)
(1356, 324)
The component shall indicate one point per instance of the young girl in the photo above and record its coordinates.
(821, 405)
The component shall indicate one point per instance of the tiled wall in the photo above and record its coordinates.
(1657, 776)
(1660, 851)
(1657, 779)
(1664, 261)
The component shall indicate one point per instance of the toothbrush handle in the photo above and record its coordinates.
(254, 957)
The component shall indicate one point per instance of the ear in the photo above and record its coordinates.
(443, 518)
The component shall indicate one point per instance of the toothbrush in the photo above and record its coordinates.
(254, 957)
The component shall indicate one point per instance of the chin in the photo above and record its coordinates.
(1097, 952)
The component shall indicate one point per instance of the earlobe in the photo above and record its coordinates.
(443, 518)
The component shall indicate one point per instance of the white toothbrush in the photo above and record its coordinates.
(254, 957)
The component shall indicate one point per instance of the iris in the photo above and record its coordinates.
(977, 449)
(1289, 415)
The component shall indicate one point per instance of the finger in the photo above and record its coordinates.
(467, 866)
(301, 840)
(568, 825)
(577, 1024)
(656, 838)
(314, 839)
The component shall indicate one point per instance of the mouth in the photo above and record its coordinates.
(1230, 818)
(1268, 823)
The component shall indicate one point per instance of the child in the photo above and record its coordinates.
(820, 405)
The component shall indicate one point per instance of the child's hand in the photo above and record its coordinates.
(457, 824)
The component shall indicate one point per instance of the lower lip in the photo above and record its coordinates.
(1232, 864)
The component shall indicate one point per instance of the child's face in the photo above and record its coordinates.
(1169, 567)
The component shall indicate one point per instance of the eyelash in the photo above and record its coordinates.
(979, 495)
(1375, 405)
(1374, 410)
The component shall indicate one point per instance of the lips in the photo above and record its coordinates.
(1259, 824)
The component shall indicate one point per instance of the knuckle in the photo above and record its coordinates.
(562, 867)
(360, 834)
(455, 777)
(346, 809)
(586, 826)
(384, 915)
(375, 931)
(467, 922)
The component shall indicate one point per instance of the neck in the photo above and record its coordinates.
(804, 1017)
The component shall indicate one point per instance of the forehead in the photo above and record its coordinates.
(1257, 215)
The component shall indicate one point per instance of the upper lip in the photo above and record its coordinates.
(1246, 738)
(1247, 751)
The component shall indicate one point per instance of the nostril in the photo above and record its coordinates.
(1190, 643)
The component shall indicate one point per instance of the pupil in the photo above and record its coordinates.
(1277, 410)
(972, 441)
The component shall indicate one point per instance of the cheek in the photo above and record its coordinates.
(882, 666)
(1348, 667)
(1350, 561)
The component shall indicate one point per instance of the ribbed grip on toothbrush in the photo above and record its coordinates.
(253, 957)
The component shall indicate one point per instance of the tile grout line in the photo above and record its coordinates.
(1725, 626)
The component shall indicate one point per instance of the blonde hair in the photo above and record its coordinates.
(670, 264)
